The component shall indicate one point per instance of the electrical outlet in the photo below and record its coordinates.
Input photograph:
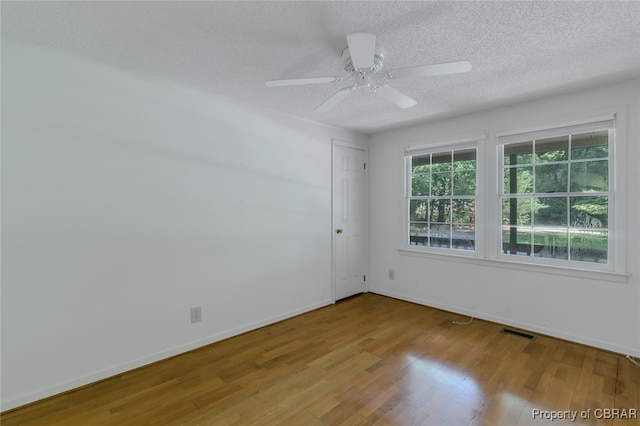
(196, 314)
(392, 274)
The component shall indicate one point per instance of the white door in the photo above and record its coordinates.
(348, 221)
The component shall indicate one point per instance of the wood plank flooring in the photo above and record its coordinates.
(363, 361)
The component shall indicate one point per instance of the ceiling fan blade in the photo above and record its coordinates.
(430, 70)
(393, 96)
(334, 100)
(362, 48)
(301, 81)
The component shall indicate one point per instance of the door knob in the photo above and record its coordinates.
(339, 231)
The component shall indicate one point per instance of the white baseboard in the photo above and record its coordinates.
(506, 321)
(158, 356)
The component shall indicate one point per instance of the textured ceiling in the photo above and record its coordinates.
(519, 50)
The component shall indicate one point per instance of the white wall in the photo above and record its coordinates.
(127, 200)
(594, 311)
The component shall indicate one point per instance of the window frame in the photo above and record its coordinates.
(451, 146)
(608, 123)
(488, 218)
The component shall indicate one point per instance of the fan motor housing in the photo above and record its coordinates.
(378, 61)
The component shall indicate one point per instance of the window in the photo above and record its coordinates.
(550, 199)
(441, 198)
(556, 194)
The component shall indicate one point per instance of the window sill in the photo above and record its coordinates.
(521, 266)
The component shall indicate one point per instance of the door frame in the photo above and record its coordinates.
(361, 147)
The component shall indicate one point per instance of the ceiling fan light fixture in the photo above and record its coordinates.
(378, 61)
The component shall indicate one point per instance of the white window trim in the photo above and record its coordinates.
(605, 122)
(422, 149)
(487, 246)
(553, 130)
(521, 266)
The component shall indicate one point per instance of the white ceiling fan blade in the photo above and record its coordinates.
(362, 48)
(430, 70)
(301, 81)
(334, 100)
(393, 96)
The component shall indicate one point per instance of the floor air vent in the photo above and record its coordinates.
(518, 333)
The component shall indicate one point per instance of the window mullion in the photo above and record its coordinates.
(451, 174)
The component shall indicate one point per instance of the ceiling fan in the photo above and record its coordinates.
(364, 61)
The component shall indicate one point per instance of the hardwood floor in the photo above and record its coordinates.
(366, 360)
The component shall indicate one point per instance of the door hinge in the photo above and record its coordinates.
(365, 278)
(365, 166)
